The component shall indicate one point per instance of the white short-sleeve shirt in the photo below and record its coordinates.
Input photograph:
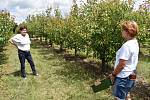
(22, 42)
(129, 51)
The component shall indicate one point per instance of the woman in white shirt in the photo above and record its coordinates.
(126, 62)
(22, 42)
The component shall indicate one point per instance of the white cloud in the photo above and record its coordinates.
(22, 8)
(137, 3)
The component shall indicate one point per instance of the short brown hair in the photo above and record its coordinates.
(131, 27)
(22, 27)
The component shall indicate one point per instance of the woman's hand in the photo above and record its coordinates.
(13, 43)
(112, 78)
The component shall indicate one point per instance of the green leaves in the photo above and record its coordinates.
(93, 27)
(6, 26)
(2, 40)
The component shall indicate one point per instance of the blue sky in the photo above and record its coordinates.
(22, 8)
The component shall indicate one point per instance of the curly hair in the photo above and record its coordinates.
(130, 27)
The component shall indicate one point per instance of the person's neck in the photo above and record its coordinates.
(23, 35)
(129, 38)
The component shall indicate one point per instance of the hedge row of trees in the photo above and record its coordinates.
(93, 27)
(7, 27)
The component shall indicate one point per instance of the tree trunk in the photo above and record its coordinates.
(32, 36)
(103, 67)
(87, 51)
(41, 39)
(94, 54)
(46, 40)
(50, 43)
(61, 47)
(75, 51)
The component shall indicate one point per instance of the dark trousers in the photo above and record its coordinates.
(23, 55)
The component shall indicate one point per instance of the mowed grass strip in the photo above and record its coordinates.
(58, 80)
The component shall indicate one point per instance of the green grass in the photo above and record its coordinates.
(143, 68)
(58, 80)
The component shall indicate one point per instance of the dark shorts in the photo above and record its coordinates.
(122, 86)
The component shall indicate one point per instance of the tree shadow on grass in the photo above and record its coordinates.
(3, 58)
(75, 69)
(37, 44)
(70, 70)
(73, 65)
(141, 90)
(73, 72)
(144, 56)
(15, 74)
(91, 66)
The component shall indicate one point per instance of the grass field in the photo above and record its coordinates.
(59, 79)
(144, 64)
